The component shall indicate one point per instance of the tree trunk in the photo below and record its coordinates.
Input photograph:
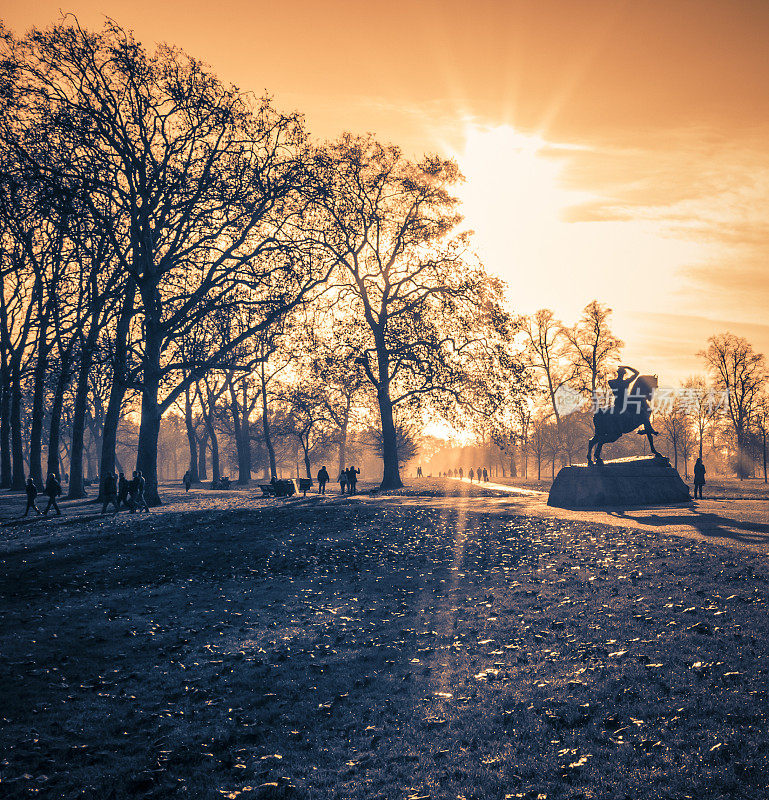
(149, 428)
(242, 444)
(5, 426)
(192, 439)
(55, 428)
(38, 408)
(17, 446)
(108, 460)
(266, 428)
(391, 478)
(307, 461)
(76, 485)
(215, 475)
(202, 471)
(342, 447)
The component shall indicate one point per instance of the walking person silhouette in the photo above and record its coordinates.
(52, 490)
(31, 491)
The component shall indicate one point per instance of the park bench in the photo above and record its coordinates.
(282, 488)
(305, 484)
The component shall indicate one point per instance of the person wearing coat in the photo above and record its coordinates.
(31, 491)
(699, 478)
(352, 479)
(323, 479)
(52, 491)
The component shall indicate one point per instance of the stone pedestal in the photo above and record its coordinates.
(626, 482)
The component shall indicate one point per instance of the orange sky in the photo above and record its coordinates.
(617, 150)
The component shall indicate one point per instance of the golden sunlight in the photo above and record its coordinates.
(512, 197)
(530, 229)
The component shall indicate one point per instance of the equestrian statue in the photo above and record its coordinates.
(631, 409)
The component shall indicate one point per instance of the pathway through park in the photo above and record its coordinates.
(736, 523)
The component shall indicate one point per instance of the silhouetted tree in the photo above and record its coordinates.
(592, 346)
(741, 372)
(425, 310)
(202, 180)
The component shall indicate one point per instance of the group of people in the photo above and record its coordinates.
(119, 491)
(348, 480)
(52, 491)
(481, 473)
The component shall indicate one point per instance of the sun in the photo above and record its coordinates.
(512, 198)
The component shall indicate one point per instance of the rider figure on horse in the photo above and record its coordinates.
(620, 387)
(632, 409)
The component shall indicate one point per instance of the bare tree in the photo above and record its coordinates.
(704, 405)
(540, 434)
(202, 180)
(546, 354)
(592, 346)
(425, 311)
(741, 372)
(674, 422)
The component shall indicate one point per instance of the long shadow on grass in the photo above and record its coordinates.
(714, 526)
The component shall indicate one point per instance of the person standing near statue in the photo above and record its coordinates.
(699, 478)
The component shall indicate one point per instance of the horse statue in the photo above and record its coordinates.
(631, 410)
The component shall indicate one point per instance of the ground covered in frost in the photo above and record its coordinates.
(376, 649)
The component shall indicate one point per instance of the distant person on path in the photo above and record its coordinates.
(352, 479)
(461, 473)
(471, 474)
(485, 476)
(342, 480)
(110, 492)
(122, 492)
(187, 481)
(31, 491)
(323, 479)
(699, 478)
(52, 490)
(140, 486)
(419, 471)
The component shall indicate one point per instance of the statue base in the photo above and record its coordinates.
(625, 482)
